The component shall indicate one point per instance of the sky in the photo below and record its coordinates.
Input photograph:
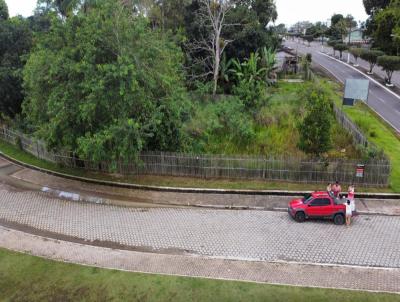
(289, 11)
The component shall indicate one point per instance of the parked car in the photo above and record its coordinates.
(318, 205)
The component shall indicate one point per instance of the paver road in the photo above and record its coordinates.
(252, 235)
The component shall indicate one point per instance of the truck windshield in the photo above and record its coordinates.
(307, 199)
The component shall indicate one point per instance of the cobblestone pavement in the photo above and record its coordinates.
(360, 278)
(246, 235)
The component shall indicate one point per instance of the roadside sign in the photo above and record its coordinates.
(360, 170)
(348, 102)
(355, 89)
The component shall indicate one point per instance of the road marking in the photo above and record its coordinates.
(379, 98)
(371, 79)
(380, 115)
(331, 73)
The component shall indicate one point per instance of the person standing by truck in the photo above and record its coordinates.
(350, 196)
(348, 212)
(336, 188)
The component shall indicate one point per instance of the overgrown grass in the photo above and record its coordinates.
(275, 134)
(378, 132)
(270, 131)
(27, 278)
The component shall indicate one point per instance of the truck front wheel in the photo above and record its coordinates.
(300, 217)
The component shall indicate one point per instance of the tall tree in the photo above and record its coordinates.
(372, 6)
(337, 27)
(386, 21)
(168, 14)
(211, 16)
(3, 10)
(15, 42)
(102, 84)
(252, 28)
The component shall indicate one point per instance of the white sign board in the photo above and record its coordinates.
(356, 89)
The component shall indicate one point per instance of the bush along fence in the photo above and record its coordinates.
(374, 172)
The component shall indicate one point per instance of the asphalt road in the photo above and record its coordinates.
(386, 104)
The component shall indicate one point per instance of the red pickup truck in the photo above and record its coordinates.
(317, 205)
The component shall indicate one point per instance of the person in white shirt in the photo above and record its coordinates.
(350, 196)
(348, 212)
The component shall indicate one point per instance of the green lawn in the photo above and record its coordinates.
(382, 136)
(27, 278)
(378, 132)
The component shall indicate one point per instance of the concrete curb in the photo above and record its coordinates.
(185, 190)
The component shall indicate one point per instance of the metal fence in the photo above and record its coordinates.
(303, 170)
(358, 137)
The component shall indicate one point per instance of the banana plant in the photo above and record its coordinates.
(225, 69)
(249, 70)
(268, 61)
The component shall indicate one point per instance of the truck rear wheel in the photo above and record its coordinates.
(338, 219)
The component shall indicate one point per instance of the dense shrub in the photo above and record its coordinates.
(223, 120)
(315, 128)
(252, 93)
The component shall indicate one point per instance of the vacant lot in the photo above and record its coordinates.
(225, 127)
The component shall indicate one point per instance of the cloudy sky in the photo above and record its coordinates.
(289, 11)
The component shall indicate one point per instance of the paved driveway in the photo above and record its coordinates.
(250, 235)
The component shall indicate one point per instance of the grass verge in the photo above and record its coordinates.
(377, 131)
(184, 182)
(28, 278)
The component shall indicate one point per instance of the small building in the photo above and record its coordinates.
(356, 37)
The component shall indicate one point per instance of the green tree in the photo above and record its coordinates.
(308, 38)
(389, 64)
(318, 29)
(168, 14)
(3, 10)
(332, 43)
(386, 21)
(356, 52)
(315, 128)
(280, 29)
(105, 86)
(15, 43)
(336, 18)
(335, 29)
(372, 6)
(251, 31)
(371, 56)
(340, 47)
